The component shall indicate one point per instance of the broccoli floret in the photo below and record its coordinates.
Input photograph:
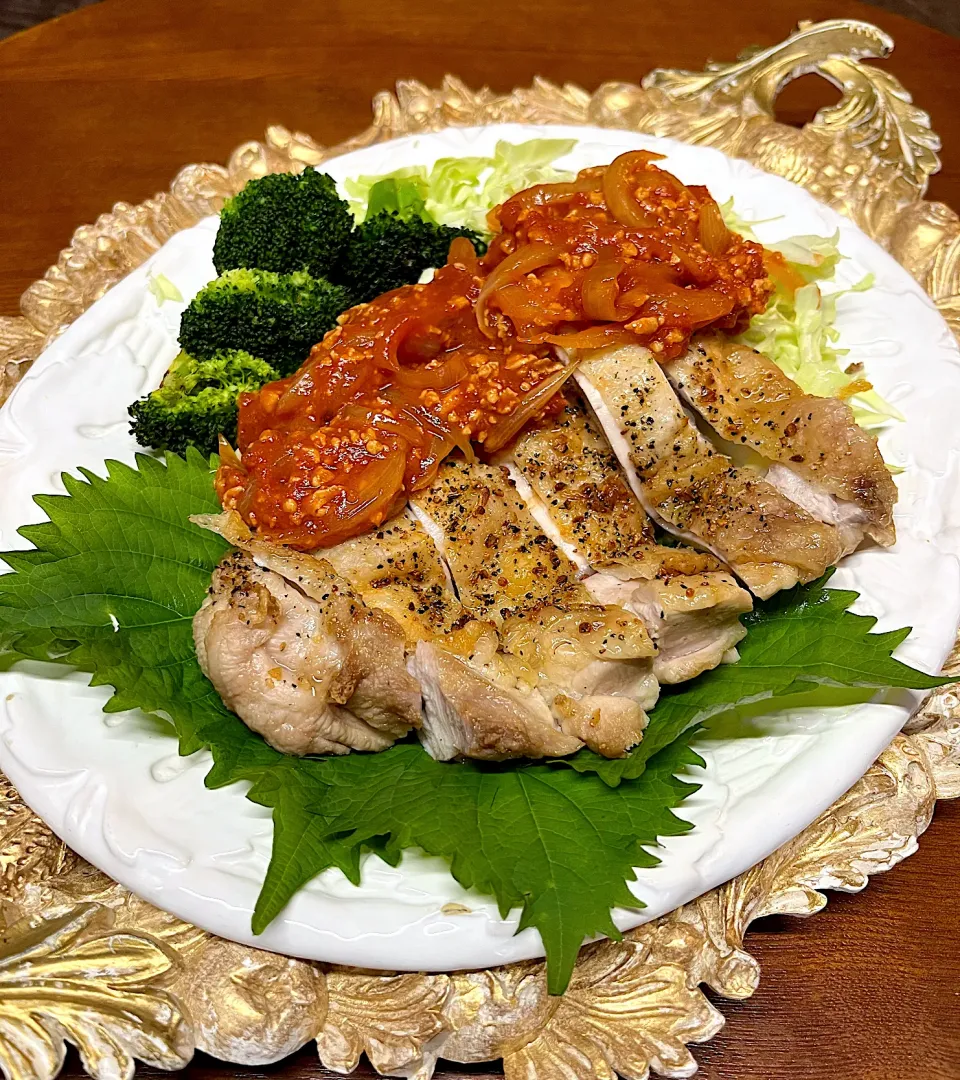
(284, 222)
(388, 251)
(277, 316)
(197, 401)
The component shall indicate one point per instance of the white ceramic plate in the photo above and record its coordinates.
(115, 790)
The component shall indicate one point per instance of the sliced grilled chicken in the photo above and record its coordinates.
(398, 570)
(468, 715)
(501, 561)
(567, 473)
(825, 462)
(302, 661)
(592, 663)
(691, 488)
(695, 618)
(474, 703)
(570, 479)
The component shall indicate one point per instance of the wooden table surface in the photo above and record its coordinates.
(107, 103)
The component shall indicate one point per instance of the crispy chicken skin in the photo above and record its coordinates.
(591, 663)
(689, 603)
(474, 703)
(695, 491)
(827, 463)
(313, 674)
(574, 479)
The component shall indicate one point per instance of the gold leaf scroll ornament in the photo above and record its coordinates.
(71, 978)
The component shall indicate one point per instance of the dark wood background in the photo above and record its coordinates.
(20, 14)
(108, 102)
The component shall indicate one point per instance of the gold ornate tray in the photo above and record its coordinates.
(84, 961)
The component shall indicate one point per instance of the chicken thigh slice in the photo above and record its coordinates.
(695, 618)
(823, 460)
(508, 572)
(469, 715)
(693, 489)
(475, 705)
(311, 674)
(687, 600)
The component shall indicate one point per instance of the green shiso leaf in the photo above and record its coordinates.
(111, 586)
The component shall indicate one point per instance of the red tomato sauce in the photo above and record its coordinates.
(622, 254)
(336, 448)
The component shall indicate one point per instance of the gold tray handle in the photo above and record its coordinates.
(759, 75)
(868, 156)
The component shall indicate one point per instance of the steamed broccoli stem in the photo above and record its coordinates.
(197, 401)
(284, 222)
(277, 316)
(388, 251)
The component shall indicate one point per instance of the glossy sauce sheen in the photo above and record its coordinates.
(623, 253)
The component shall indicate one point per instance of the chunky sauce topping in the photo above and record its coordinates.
(623, 253)
(335, 449)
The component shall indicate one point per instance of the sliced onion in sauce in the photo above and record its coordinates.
(634, 298)
(600, 291)
(621, 181)
(529, 258)
(528, 407)
(388, 342)
(699, 271)
(596, 337)
(655, 278)
(714, 234)
(425, 420)
(523, 308)
(545, 195)
(439, 448)
(378, 489)
(462, 252)
(412, 412)
(296, 388)
(696, 306)
(461, 442)
(228, 456)
(402, 425)
(441, 377)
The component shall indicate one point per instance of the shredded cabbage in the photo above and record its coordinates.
(797, 330)
(402, 193)
(163, 288)
(460, 191)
